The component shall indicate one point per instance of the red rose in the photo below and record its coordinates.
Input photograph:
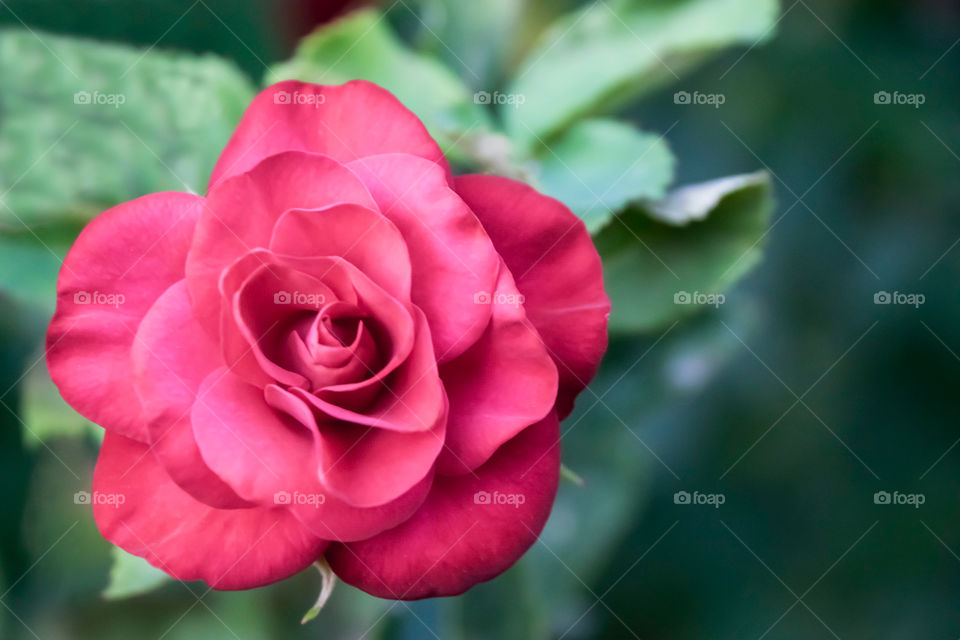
(341, 350)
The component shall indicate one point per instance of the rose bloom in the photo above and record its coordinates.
(342, 351)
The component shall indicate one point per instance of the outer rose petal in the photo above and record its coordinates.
(171, 356)
(455, 540)
(345, 122)
(452, 258)
(226, 548)
(240, 214)
(137, 250)
(504, 383)
(556, 267)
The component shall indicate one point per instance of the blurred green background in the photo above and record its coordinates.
(796, 400)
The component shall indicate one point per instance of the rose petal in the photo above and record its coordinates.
(171, 356)
(452, 258)
(271, 458)
(557, 268)
(345, 122)
(337, 520)
(256, 450)
(365, 238)
(134, 250)
(412, 399)
(470, 529)
(240, 214)
(156, 520)
(505, 382)
(370, 467)
(255, 324)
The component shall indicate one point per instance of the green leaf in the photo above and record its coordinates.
(361, 45)
(599, 166)
(608, 52)
(696, 201)
(473, 38)
(131, 575)
(85, 125)
(655, 272)
(45, 414)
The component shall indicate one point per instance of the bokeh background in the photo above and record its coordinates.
(797, 400)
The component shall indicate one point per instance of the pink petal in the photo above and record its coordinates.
(557, 268)
(254, 328)
(367, 466)
(370, 467)
(134, 250)
(253, 324)
(171, 356)
(460, 536)
(505, 382)
(156, 520)
(412, 398)
(345, 122)
(363, 237)
(265, 454)
(257, 450)
(337, 520)
(453, 259)
(240, 214)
